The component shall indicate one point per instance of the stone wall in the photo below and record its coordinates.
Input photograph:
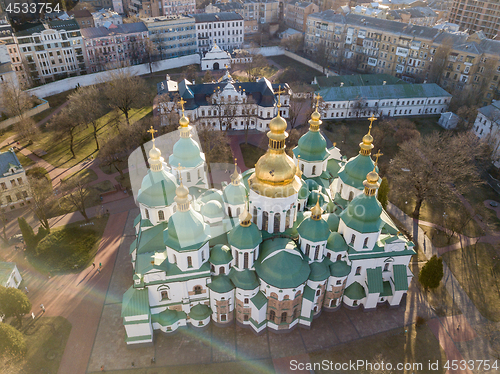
(39, 108)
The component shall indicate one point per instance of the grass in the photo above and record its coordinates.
(84, 175)
(416, 345)
(439, 237)
(57, 146)
(24, 160)
(125, 182)
(244, 367)
(70, 247)
(46, 339)
(58, 99)
(251, 154)
(294, 70)
(476, 198)
(110, 169)
(477, 268)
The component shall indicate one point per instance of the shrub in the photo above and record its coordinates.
(431, 274)
(28, 234)
(420, 321)
(12, 344)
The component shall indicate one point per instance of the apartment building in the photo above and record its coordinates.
(422, 16)
(264, 11)
(473, 15)
(457, 61)
(178, 7)
(48, 52)
(106, 15)
(14, 187)
(487, 127)
(233, 6)
(296, 14)
(224, 28)
(117, 45)
(172, 36)
(82, 17)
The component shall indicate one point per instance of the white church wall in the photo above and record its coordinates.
(361, 242)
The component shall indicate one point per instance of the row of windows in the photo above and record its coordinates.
(218, 25)
(19, 196)
(13, 183)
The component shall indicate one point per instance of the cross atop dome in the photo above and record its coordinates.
(152, 132)
(377, 155)
(318, 98)
(371, 119)
(182, 102)
(279, 92)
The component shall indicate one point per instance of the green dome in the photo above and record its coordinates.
(186, 152)
(311, 147)
(212, 209)
(157, 189)
(333, 222)
(319, 271)
(200, 312)
(244, 237)
(363, 214)
(220, 284)
(235, 194)
(220, 255)
(313, 198)
(355, 171)
(336, 242)
(314, 230)
(330, 207)
(304, 191)
(245, 279)
(312, 184)
(186, 231)
(340, 269)
(168, 317)
(284, 270)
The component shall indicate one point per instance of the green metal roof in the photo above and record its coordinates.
(221, 284)
(187, 153)
(309, 293)
(319, 270)
(355, 171)
(363, 214)
(137, 219)
(186, 231)
(374, 280)
(245, 279)
(220, 255)
(281, 264)
(135, 302)
(212, 209)
(259, 300)
(400, 278)
(314, 197)
(355, 291)
(333, 167)
(314, 230)
(244, 237)
(200, 312)
(311, 147)
(168, 317)
(336, 242)
(157, 189)
(340, 269)
(235, 195)
(357, 80)
(133, 246)
(146, 223)
(387, 291)
(387, 92)
(333, 221)
(151, 240)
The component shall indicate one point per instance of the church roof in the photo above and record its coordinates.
(245, 279)
(245, 237)
(135, 302)
(355, 291)
(340, 269)
(200, 312)
(355, 171)
(311, 147)
(220, 255)
(314, 230)
(363, 214)
(319, 270)
(220, 284)
(157, 189)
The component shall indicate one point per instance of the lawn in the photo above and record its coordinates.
(477, 268)
(476, 198)
(110, 169)
(416, 345)
(251, 154)
(69, 248)
(46, 339)
(295, 72)
(125, 182)
(438, 237)
(84, 175)
(57, 146)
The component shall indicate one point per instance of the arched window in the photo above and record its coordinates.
(255, 214)
(302, 168)
(188, 177)
(316, 254)
(277, 222)
(212, 268)
(161, 215)
(283, 317)
(202, 255)
(365, 243)
(190, 262)
(329, 255)
(245, 300)
(199, 174)
(255, 255)
(386, 266)
(299, 206)
(351, 196)
(314, 170)
(295, 313)
(339, 257)
(229, 211)
(146, 212)
(308, 247)
(236, 256)
(318, 292)
(353, 238)
(358, 270)
(265, 216)
(221, 270)
(340, 189)
(272, 315)
(197, 290)
(245, 260)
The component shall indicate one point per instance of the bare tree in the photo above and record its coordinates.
(439, 62)
(252, 67)
(126, 91)
(14, 100)
(225, 112)
(215, 145)
(426, 167)
(323, 54)
(169, 110)
(64, 124)
(41, 199)
(28, 130)
(249, 113)
(293, 44)
(76, 193)
(297, 106)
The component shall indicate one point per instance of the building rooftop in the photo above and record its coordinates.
(357, 80)
(8, 160)
(6, 269)
(217, 17)
(84, 13)
(227, 7)
(126, 28)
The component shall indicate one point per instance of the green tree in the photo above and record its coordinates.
(12, 344)
(14, 303)
(28, 234)
(208, 77)
(383, 192)
(431, 274)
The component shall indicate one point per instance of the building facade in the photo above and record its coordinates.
(224, 28)
(106, 15)
(48, 52)
(227, 104)
(477, 16)
(264, 11)
(296, 14)
(14, 186)
(272, 249)
(487, 127)
(115, 46)
(83, 17)
(458, 62)
(172, 36)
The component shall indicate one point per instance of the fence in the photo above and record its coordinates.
(39, 108)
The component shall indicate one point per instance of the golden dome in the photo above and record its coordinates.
(277, 124)
(184, 121)
(154, 153)
(368, 139)
(372, 177)
(316, 211)
(181, 192)
(315, 116)
(245, 218)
